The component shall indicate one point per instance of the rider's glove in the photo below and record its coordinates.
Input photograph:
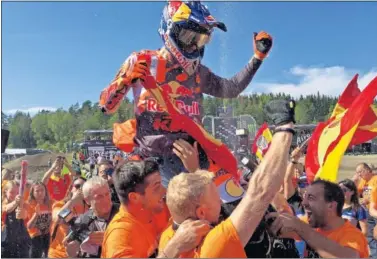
(281, 111)
(262, 44)
(132, 73)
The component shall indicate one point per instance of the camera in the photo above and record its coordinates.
(79, 232)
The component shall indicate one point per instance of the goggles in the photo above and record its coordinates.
(189, 38)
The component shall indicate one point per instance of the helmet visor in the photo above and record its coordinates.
(189, 39)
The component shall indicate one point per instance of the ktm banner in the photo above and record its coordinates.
(331, 139)
(262, 141)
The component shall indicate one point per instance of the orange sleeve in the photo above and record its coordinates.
(355, 240)
(119, 243)
(222, 241)
(30, 209)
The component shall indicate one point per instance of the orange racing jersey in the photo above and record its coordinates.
(153, 135)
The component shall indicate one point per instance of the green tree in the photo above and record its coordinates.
(21, 135)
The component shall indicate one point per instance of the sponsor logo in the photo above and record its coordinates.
(175, 89)
(176, 53)
(173, 7)
(193, 109)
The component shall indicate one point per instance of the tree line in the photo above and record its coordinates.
(56, 130)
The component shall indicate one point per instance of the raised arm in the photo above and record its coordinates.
(268, 177)
(46, 177)
(132, 70)
(217, 86)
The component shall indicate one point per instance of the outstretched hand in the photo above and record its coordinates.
(262, 44)
(188, 154)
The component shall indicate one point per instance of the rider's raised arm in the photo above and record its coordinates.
(112, 96)
(217, 86)
(230, 88)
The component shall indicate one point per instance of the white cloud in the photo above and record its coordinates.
(32, 110)
(327, 80)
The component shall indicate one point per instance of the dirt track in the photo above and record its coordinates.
(38, 164)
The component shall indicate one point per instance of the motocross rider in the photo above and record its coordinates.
(186, 28)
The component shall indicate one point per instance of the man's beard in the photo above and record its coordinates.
(316, 221)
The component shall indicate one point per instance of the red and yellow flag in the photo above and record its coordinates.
(331, 139)
(367, 128)
(262, 141)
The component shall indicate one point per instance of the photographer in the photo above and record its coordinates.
(105, 171)
(74, 201)
(87, 231)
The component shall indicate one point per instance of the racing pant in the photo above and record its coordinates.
(171, 165)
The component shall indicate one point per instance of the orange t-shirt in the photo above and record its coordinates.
(165, 238)
(348, 236)
(58, 186)
(129, 236)
(365, 188)
(43, 222)
(57, 249)
(221, 242)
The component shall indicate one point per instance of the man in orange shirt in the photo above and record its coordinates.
(57, 185)
(367, 185)
(136, 228)
(195, 195)
(367, 181)
(327, 235)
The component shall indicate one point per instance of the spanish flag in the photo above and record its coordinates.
(262, 141)
(367, 128)
(331, 139)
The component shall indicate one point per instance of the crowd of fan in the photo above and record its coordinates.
(124, 211)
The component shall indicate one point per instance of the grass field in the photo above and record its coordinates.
(348, 165)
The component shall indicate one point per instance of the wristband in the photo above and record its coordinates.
(292, 131)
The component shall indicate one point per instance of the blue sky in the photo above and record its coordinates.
(55, 54)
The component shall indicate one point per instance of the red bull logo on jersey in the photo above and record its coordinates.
(193, 109)
(175, 90)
